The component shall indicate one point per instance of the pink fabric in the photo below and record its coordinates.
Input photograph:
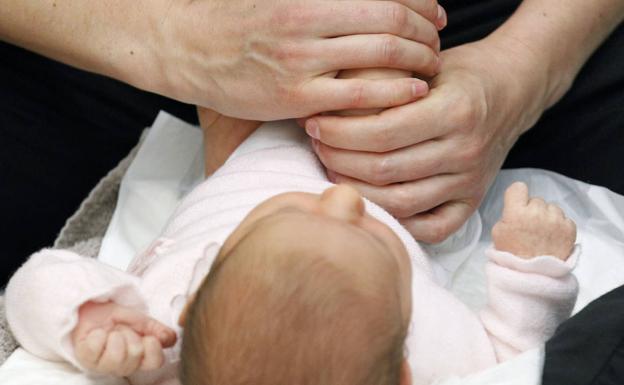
(528, 299)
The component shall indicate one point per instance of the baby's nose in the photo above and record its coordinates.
(342, 202)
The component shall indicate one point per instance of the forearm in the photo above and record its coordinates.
(560, 36)
(109, 37)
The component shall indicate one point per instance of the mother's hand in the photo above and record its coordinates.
(268, 60)
(431, 162)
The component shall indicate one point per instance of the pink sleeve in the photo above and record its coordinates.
(527, 300)
(43, 297)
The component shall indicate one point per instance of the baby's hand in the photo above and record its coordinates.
(116, 340)
(531, 227)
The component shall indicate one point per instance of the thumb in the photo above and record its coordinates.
(516, 198)
(145, 326)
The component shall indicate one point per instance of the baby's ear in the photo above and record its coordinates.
(206, 116)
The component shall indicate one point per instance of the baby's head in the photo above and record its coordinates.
(307, 290)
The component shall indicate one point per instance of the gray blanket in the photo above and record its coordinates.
(82, 233)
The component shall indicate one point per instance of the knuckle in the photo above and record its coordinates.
(286, 93)
(288, 55)
(389, 50)
(439, 231)
(356, 97)
(382, 170)
(398, 16)
(399, 202)
(463, 116)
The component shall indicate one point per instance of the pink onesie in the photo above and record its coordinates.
(527, 298)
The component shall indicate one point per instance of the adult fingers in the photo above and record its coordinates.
(114, 354)
(429, 9)
(153, 357)
(438, 224)
(344, 94)
(404, 200)
(145, 325)
(344, 18)
(390, 130)
(134, 352)
(380, 169)
(375, 51)
(516, 198)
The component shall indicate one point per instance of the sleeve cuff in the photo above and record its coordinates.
(544, 264)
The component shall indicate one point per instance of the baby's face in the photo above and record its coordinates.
(336, 224)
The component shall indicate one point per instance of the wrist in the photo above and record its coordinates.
(141, 56)
(535, 68)
(520, 86)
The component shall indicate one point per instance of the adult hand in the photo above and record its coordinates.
(430, 162)
(245, 58)
(268, 60)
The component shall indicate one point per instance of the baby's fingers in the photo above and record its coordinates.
(134, 353)
(556, 211)
(516, 198)
(114, 354)
(153, 357)
(90, 349)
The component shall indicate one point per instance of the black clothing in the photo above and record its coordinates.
(588, 349)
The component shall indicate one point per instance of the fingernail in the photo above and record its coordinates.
(163, 336)
(315, 145)
(419, 88)
(312, 128)
(442, 19)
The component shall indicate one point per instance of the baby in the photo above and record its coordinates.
(279, 277)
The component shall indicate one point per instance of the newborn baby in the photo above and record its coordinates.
(280, 277)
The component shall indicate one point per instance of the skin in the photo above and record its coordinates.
(431, 162)
(264, 61)
(112, 339)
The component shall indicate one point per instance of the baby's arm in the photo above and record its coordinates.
(530, 286)
(61, 306)
(530, 293)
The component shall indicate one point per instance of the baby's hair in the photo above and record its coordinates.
(274, 315)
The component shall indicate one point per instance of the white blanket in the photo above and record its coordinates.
(169, 164)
